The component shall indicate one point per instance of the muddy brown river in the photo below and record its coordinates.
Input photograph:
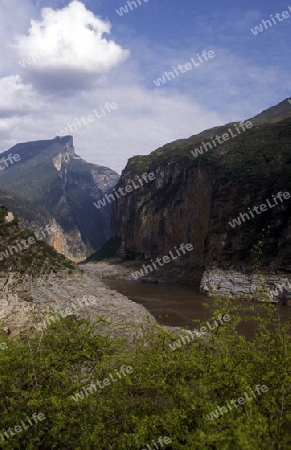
(177, 305)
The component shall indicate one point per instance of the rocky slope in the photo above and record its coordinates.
(30, 303)
(62, 187)
(193, 198)
(36, 218)
(36, 284)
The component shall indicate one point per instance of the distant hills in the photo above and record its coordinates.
(51, 184)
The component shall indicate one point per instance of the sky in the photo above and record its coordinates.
(91, 70)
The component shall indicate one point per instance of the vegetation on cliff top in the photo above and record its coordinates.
(261, 153)
(242, 172)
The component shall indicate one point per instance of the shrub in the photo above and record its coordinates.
(169, 393)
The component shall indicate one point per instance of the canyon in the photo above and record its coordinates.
(192, 200)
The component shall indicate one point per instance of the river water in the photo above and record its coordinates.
(177, 305)
(170, 303)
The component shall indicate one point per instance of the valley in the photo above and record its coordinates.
(145, 225)
(169, 266)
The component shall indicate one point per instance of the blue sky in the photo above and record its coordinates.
(89, 55)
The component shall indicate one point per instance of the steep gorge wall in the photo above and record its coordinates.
(193, 200)
(231, 248)
(173, 209)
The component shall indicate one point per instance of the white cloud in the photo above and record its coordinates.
(14, 18)
(76, 69)
(16, 97)
(144, 120)
(67, 48)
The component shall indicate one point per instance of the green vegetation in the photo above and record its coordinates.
(36, 260)
(179, 390)
(169, 393)
(242, 172)
(63, 187)
(24, 208)
(259, 154)
(30, 177)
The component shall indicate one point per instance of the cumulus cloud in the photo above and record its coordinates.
(69, 69)
(17, 98)
(67, 49)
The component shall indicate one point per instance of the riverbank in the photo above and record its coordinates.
(25, 303)
(224, 283)
(245, 286)
(182, 272)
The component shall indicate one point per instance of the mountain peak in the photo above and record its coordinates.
(51, 175)
(29, 150)
(66, 141)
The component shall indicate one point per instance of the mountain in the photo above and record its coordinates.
(49, 182)
(195, 196)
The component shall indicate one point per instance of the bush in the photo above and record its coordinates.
(168, 393)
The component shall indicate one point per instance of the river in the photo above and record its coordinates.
(177, 305)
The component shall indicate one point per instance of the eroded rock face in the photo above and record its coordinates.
(9, 217)
(170, 210)
(226, 283)
(48, 230)
(59, 242)
(191, 204)
(35, 279)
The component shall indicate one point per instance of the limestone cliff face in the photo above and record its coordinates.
(57, 239)
(153, 220)
(51, 233)
(40, 222)
(193, 199)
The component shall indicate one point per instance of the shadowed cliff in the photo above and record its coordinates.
(193, 198)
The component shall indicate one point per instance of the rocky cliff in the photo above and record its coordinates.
(36, 218)
(61, 188)
(196, 196)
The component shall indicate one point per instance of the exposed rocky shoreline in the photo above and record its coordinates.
(117, 269)
(222, 282)
(244, 286)
(24, 303)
